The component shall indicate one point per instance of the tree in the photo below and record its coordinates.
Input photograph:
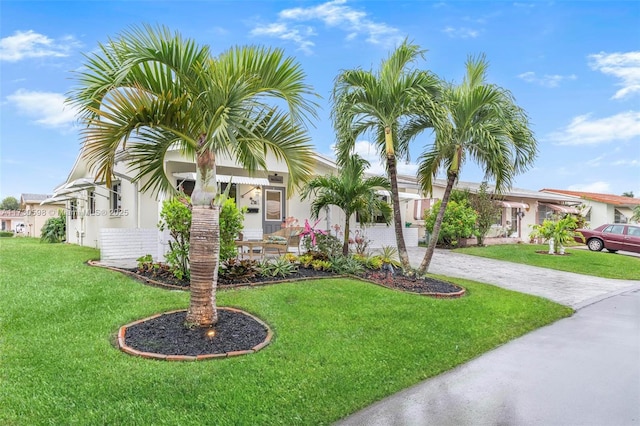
(380, 103)
(628, 194)
(484, 124)
(486, 209)
(351, 193)
(150, 91)
(9, 203)
(636, 214)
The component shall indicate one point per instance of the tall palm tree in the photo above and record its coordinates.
(351, 193)
(151, 91)
(380, 103)
(483, 124)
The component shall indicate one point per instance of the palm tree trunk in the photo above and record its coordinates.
(397, 217)
(345, 244)
(424, 266)
(204, 254)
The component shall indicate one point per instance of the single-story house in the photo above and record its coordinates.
(121, 221)
(602, 208)
(520, 209)
(35, 214)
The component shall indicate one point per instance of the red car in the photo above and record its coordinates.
(613, 237)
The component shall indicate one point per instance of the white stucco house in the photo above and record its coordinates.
(121, 221)
(600, 209)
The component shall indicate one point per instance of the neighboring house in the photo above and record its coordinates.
(602, 208)
(12, 221)
(520, 209)
(35, 215)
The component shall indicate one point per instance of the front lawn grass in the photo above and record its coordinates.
(339, 345)
(599, 264)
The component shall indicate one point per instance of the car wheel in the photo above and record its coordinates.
(611, 251)
(595, 244)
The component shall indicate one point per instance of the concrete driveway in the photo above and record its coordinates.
(569, 289)
(582, 370)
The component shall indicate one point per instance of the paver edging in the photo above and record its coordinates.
(122, 332)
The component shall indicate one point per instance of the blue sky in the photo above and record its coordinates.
(573, 66)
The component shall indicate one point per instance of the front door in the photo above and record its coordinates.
(274, 208)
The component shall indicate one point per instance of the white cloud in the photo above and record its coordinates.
(369, 152)
(29, 44)
(583, 130)
(628, 162)
(332, 14)
(282, 31)
(48, 108)
(548, 80)
(625, 66)
(461, 32)
(597, 187)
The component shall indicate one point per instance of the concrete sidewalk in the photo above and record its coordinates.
(582, 370)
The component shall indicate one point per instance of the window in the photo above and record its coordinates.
(619, 217)
(73, 209)
(544, 212)
(186, 186)
(378, 218)
(633, 231)
(92, 201)
(232, 190)
(614, 229)
(273, 210)
(116, 197)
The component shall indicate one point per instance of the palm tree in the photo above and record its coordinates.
(151, 91)
(351, 193)
(484, 124)
(381, 103)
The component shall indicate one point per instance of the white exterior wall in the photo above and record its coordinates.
(122, 243)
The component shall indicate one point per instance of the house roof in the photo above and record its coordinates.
(33, 198)
(616, 200)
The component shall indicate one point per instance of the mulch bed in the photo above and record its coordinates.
(166, 337)
(166, 334)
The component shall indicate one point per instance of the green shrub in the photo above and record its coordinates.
(459, 222)
(175, 216)
(326, 244)
(231, 223)
(54, 229)
(238, 269)
(321, 265)
(279, 267)
(5, 234)
(346, 265)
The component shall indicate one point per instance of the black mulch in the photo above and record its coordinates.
(167, 335)
(411, 284)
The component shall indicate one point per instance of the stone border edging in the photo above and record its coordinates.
(138, 277)
(122, 332)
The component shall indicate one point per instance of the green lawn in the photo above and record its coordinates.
(339, 345)
(600, 264)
